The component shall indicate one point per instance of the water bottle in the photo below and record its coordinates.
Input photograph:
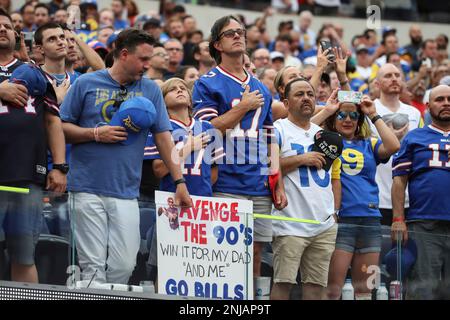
(382, 293)
(50, 219)
(348, 293)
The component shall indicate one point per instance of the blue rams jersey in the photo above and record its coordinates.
(196, 168)
(359, 85)
(246, 168)
(424, 157)
(359, 160)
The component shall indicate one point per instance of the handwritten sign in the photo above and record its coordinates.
(205, 251)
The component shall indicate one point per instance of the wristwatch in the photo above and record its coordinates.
(63, 167)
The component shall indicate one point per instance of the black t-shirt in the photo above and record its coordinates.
(23, 140)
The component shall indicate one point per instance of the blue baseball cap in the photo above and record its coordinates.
(29, 76)
(135, 114)
(408, 256)
(111, 40)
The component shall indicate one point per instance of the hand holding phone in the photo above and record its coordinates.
(327, 45)
(427, 62)
(350, 96)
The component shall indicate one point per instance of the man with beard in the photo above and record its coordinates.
(418, 92)
(106, 166)
(423, 163)
(415, 34)
(309, 190)
(389, 81)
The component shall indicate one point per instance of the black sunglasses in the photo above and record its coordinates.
(230, 33)
(342, 115)
(123, 92)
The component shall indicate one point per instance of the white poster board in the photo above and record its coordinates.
(205, 251)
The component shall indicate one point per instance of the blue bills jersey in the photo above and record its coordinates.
(245, 168)
(196, 167)
(424, 157)
(358, 162)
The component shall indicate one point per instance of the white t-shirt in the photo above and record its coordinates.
(384, 171)
(329, 3)
(308, 190)
(364, 72)
(278, 4)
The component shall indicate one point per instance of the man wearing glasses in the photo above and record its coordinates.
(159, 62)
(261, 58)
(176, 54)
(105, 174)
(238, 105)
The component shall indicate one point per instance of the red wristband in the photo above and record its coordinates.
(398, 219)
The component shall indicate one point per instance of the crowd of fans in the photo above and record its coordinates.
(239, 81)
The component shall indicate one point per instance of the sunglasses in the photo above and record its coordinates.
(342, 115)
(230, 33)
(120, 98)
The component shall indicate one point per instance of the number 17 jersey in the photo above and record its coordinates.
(245, 168)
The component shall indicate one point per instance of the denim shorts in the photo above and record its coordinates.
(359, 234)
(21, 222)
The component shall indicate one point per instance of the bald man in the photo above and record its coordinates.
(389, 82)
(423, 163)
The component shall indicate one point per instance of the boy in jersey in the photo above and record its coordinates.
(192, 138)
(239, 106)
(28, 127)
(423, 163)
(313, 193)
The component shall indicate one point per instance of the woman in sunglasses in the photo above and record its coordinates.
(358, 241)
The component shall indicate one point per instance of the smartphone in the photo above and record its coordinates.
(327, 45)
(29, 40)
(427, 62)
(17, 46)
(350, 96)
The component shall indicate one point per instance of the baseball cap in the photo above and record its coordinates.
(97, 45)
(329, 143)
(445, 80)
(361, 48)
(153, 22)
(276, 55)
(134, 114)
(89, 2)
(407, 255)
(111, 39)
(388, 29)
(32, 78)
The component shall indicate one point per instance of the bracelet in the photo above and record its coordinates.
(96, 137)
(398, 219)
(343, 83)
(375, 119)
(177, 182)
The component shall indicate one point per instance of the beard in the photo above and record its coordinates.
(416, 40)
(439, 117)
